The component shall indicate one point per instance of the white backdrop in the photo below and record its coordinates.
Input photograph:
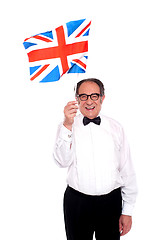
(128, 51)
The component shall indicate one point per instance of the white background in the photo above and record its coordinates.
(128, 51)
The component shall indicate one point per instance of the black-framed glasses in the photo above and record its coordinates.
(93, 96)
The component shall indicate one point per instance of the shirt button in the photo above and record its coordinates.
(69, 136)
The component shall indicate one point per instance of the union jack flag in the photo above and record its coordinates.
(62, 50)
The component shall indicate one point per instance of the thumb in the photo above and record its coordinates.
(120, 225)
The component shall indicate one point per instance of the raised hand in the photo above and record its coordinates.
(70, 111)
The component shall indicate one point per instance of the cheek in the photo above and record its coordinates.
(98, 108)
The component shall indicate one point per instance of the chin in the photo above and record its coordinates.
(89, 113)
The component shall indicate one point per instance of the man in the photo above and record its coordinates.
(101, 181)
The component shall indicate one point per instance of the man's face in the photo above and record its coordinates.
(90, 108)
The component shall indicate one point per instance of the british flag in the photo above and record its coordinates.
(62, 50)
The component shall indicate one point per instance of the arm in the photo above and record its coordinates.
(129, 188)
(63, 146)
(62, 150)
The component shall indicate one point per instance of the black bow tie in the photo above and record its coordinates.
(96, 120)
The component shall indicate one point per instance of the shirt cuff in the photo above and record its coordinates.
(65, 134)
(127, 209)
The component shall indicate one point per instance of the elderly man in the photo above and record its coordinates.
(101, 190)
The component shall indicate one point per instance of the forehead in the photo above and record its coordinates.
(89, 87)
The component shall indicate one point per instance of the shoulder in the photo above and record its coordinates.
(114, 128)
(111, 122)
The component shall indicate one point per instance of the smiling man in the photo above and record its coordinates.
(101, 190)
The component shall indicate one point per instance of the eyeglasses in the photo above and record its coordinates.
(93, 96)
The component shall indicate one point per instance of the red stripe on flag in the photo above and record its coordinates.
(42, 38)
(62, 45)
(57, 52)
(26, 39)
(40, 71)
(80, 63)
(79, 34)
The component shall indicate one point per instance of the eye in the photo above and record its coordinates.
(83, 97)
(94, 96)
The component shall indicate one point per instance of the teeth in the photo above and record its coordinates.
(89, 108)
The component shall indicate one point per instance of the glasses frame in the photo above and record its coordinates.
(87, 96)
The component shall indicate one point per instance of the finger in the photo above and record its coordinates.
(124, 231)
(72, 103)
(71, 106)
(73, 115)
(120, 227)
(71, 112)
(70, 119)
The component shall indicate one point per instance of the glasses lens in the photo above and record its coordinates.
(94, 96)
(83, 97)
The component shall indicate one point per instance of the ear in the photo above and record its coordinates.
(102, 99)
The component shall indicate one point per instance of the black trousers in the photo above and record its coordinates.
(85, 214)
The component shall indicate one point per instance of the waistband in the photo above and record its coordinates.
(77, 193)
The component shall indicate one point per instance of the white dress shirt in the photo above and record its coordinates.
(98, 159)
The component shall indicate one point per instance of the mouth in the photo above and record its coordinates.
(89, 108)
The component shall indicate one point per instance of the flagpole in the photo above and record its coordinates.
(75, 82)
